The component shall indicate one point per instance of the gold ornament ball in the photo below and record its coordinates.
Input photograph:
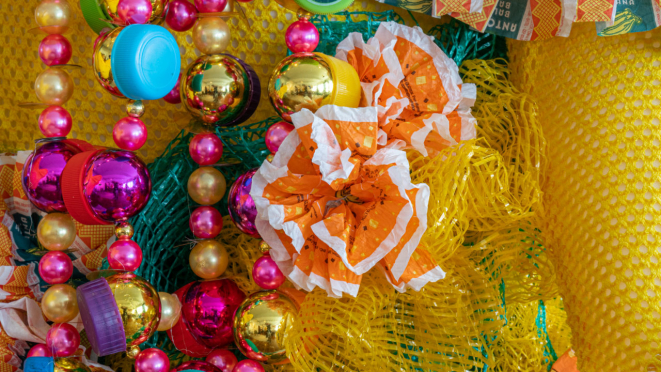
(54, 86)
(211, 35)
(53, 16)
(102, 59)
(270, 158)
(70, 365)
(158, 7)
(208, 259)
(206, 186)
(264, 247)
(135, 109)
(59, 304)
(261, 325)
(56, 231)
(303, 14)
(133, 351)
(215, 88)
(124, 230)
(170, 311)
(139, 306)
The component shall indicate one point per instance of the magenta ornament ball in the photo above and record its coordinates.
(124, 254)
(266, 273)
(276, 134)
(130, 133)
(63, 340)
(206, 148)
(133, 12)
(40, 350)
(55, 121)
(195, 365)
(174, 96)
(241, 206)
(223, 359)
(302, 36)
(55, 267)
(206, 222)
(55, 50)
(181, 16)
(248, 365)
(210, 6)
(152, 360)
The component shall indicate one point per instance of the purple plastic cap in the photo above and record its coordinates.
(253, 96)
(101, 317)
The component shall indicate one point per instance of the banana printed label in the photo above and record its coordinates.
(632, 16)
(532, 20)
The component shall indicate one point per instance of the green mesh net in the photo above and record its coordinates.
(461, 43)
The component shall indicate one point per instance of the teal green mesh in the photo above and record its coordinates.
(461, 43)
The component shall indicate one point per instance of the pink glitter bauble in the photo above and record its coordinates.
(181, 16)
(266, 273)
(248, 365)
(130, 133)
(124, 254)
(223, 359)
(152, 360)
(133, 12)
(276, 134)
(40, 350)
(63, 340)
(206, 222)
(210, 6)
(206, 148)
(55, 121)
(55, 267)
(302, 36)
(55, 50)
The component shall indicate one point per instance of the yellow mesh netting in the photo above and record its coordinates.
(599, 107)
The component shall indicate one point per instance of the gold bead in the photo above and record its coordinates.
(264, 247)
(56, 231)
(170, 311)
(124, 230)
(53, 16)
(211, 35)
(206, 186)
(208, 259)
(270, 157)
(59, 303)
(53, 86)
(133, 351)
(135, 109)
(303, 14)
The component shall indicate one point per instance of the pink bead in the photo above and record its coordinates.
(124, 254)
(248, 365)
(181, 16)
(39, 350)
(302, 36)
(55, 267)
(152, 360)
(206, 222)
(223, 359)
(266, 273)
(62, 339)
(55, 121)
(206, 148)
(133, 12)
(174, 96)
(210, 6)
(55, 50)
(276, 134)
(129, 133)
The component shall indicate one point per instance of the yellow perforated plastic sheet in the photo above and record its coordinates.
(599, 108)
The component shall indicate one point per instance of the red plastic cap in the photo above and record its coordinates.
(73, 190)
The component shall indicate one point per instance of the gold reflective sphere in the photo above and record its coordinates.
(261, 325)
(133, 351)
(206, 186)
(56, 231)
(124, 230)
(215, 88)
(135, 109)
(53, 86)
(53, 16)
(264, 247)
(303, 14)
(70, 365)
(170, 311)
(158, 7)
(59, 303)
(139, 306)
(101, 59)
(208, 259)
(211, 35)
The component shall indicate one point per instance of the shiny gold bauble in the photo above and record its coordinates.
(206, 186)
(53, 86)
(170, 311)
(303, 14)
(71, 364)
(270, 158)
(211, 35)
(264, 247)
(214, 88)
(139, 306)
(208, 259)
(133, 351)
(53, 16)
(261, 325)
(124, 230)
(56, 231)
(59, 303)
(135, 109)
(157, 16)
(101, 61)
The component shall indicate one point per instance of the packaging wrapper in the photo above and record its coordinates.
(632, 16)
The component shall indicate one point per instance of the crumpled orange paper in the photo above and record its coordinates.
(415, 87)
(332, 206)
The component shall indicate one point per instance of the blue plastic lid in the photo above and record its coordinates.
(39, 364)
(145, 62)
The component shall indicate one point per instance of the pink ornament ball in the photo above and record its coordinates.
(223, 359)
(181, 16)
(124, 254)
(40, 350)
(302, 36)
(174, 96)
(63, 340)
(133, 12)
(55, 267)
(130, 133)
(206, 222)
(55, 50)
(55, 121)
(152, 360)
(276, 134)
(248, 365)
(210, 6)
(206, 148)
(266, 273)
